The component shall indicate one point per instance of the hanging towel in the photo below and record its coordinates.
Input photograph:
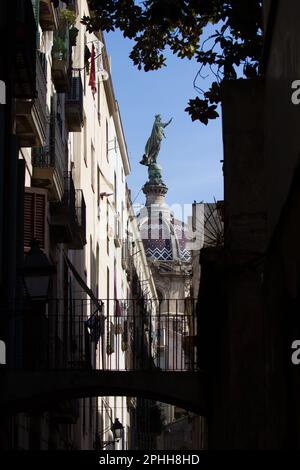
(92, 81)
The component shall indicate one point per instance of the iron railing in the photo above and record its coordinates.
(109, 335)
(54, 155)
(69, 196)
(74, 103)
(57, 147)
(76, 91)
(80, 209)
(41, 87)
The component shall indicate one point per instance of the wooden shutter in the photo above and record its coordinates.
(34, 217)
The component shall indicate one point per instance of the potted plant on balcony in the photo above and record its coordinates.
(59, 48)
(70, 18)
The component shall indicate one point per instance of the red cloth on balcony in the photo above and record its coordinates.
(92, 81)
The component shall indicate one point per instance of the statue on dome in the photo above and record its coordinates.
(152, 149)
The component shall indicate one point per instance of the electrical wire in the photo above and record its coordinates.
(136, 196)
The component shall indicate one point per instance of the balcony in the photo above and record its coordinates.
(68, 217)
(48, 16)
(74, 104)
(79, 229)
(24, 59)
(70, 335)
(49, 163)
(32, 114)
(61, 60)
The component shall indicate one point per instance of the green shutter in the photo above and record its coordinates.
(36, 11)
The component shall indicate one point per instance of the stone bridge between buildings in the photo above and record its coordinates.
(29, 390)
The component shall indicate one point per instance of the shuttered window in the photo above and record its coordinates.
(34, 217)
(36, 11)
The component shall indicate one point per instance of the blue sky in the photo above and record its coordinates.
(191, 153)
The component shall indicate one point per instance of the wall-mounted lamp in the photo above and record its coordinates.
(37, 272)
(117, 430)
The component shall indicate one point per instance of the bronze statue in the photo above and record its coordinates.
(153, 143)
(152, 149)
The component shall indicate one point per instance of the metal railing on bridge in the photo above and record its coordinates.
(112, 335)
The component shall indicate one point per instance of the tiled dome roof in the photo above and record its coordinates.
(165, 240)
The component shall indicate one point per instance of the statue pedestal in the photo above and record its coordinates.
(155, 193)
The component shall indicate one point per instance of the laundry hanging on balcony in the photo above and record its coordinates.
(92, 81)
(95, 324)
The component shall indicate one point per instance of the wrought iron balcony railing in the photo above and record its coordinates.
(109, 335)
(63, 213)
(32, 115)
(49, 163)
(68, 216)
(48, 17)
(57, 147)
(61, 59)
(79, 230)
(74, 103)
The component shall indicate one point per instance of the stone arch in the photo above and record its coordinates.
(23, 390)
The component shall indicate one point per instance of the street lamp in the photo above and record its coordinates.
(117, 430)
(37, 272)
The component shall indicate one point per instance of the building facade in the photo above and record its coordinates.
(69, 170)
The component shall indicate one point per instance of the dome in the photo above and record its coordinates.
(165, 238)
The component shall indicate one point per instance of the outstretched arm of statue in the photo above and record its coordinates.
(167, 123)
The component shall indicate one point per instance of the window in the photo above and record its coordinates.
(107, 227)
(106, 137)
(34, 217)
(85, 66)
(97, 270)
(92, 280)
(98, 191)
(99, 102)
(91, 412)
(160, 226)
(107, 290)
(36, 12)
(161, 338)
(83, 415)
(115, 190)
(85, 141)
(93, 167)
(122, 220)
